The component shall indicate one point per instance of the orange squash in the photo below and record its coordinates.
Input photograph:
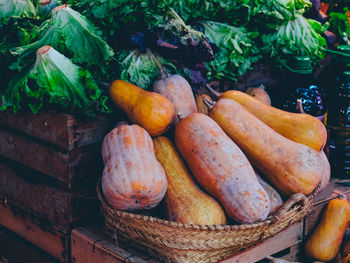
(325, 242)
(260, 94)
(150, 110)
(291, 167)
(301, 128)
(184, 201)
(221, 168)
(132, 178)
(179, 92)
(201, 107)
(275, 198)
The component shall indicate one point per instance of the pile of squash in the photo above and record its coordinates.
(203, 158)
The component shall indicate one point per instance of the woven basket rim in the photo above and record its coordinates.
(270, 220)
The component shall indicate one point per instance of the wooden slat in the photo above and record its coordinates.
(91, 246)
(45, 236)
(15, 249)
(28, 192)
(58, 129)
(287, 238)
(71, 168)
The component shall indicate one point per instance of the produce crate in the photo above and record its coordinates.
(52, 239)
(55, 144)
(89, 244)
(11, 244)
(35, 193)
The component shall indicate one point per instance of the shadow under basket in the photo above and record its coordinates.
(170, 241)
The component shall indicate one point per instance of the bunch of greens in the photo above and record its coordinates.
(141, 68)
(340, 25)
(238, 50)
(71, 34)
(300, 36)
(141, 14)
(54, 81)
(274, 12)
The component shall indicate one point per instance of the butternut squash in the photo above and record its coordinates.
(275, 198)
(184, 201)
(291, 167)
(301, 128)
(132, 178)
(325, 242)
(260, 94)
(150, 110)
(179, 92)
(221, 168)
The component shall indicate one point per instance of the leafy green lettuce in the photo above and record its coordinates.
(340, 25)
(300, 36)
(140, 68)
(54, 82)
(16, 9)
(71, 34)
(238, 50)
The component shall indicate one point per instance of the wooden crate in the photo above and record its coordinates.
(14, 249)
(90, 245)
(31, 191)
(52, 239)
(55, 144)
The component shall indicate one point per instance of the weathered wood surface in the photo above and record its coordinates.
(71, 168)
(59, 129)
(26, 190)
(93, 242)
(14, 249)
(49, 238)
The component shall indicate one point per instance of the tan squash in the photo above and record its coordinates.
(179, 92)
(326, 170)
(221, 168)
(260, 94)
(185, 202)
(291, 167)
(201, 107)
(150, 110)
(325, 242)
(275, 198)
(301, 128)
(132, 178)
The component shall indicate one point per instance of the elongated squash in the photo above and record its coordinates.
(185, 202)
(150, 110)
(325, 242)
(275, 198)
(301, 128)
(132, 178)
(179, 92)
(260, 94)
(291, 167)
(221, 168)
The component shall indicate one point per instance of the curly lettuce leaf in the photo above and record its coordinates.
(140, 68)
(341, 25)
(16, 9)
(54, 82)
(238, 50)
(300, 36)
(71, 34)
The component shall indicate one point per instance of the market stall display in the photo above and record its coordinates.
(224, 136)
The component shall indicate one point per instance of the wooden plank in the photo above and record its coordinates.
(91, 246)
(71, 168)
(284, 239)
(41, 234)
(59, 129)
(11, 244)
(27, 191)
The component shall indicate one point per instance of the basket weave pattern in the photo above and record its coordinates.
(175, 242)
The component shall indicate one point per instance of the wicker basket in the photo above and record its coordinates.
(175, 242)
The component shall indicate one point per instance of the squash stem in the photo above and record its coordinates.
(208, 103)
(215, 93)
(300, 108)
